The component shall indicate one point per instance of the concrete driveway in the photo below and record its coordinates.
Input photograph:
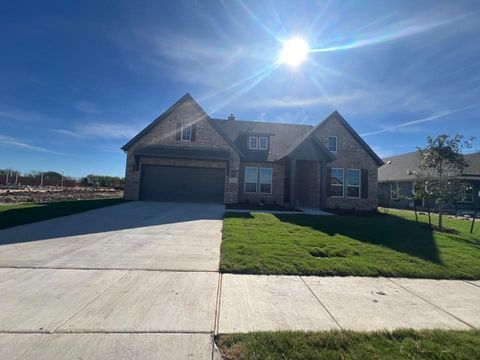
(132, 281)
(135, 235)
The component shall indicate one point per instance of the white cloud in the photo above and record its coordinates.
(399, 127)
(287, 102)
(383, 152)
(86, 107)
(98, 130)
(23, 115)
(399, 30)
(11, 142)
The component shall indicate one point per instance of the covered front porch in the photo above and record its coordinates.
(306, 175)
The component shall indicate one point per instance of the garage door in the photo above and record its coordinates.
(167, 183)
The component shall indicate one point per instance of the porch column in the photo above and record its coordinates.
(293, 173)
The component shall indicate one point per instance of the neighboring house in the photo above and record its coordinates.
(395, 185)
(184, 155)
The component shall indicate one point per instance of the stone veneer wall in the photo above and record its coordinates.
(350, 155)
(164, 134)
(278, 179)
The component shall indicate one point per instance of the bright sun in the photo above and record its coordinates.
(294, 51)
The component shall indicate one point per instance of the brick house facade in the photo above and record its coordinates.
(184, 155)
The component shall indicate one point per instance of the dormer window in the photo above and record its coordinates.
(332, 144)
(253, 142)
(263, 143)
(258, 142)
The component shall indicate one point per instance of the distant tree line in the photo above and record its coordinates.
(103, 181)
(53, 178)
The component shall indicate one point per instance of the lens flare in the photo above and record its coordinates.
(294, 51)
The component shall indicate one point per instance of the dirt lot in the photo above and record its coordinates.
(11, 196)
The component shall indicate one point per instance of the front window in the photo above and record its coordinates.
(263, 143)
(258, 180)
(251, 175)
(186, 132)
(394, 191)
(466, 193)
(353, 183)
(336, 182)
(332, 143)
(265, 180)
(253, 142)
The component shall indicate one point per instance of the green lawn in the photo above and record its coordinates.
(13, 215)
(382, 245)
(401, 344)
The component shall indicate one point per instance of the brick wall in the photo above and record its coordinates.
(164, 134)
(350, 155)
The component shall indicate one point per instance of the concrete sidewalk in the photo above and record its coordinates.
(136, 314)
(262, 303)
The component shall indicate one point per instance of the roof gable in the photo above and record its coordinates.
(186, 99)
(335, 116)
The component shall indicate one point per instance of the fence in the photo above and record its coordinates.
(35, 181)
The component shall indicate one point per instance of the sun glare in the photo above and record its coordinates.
(294, 51)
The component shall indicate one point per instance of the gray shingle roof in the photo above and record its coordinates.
(395, 168)
(282, 137)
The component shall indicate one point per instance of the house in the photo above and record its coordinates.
(184, 155)
(395, 185)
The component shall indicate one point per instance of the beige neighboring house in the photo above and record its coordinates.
(184, 155)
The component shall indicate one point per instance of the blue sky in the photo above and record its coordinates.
(79, 78)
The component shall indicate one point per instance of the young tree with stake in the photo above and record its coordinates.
(440, 164)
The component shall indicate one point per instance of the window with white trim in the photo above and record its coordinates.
(332, 144)
(265, 180)
(251, 177)
(394, 191)
(263, 143)
(253, 142)
(466, 193)
(186, 133)
(336, 182)
(353, 183)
